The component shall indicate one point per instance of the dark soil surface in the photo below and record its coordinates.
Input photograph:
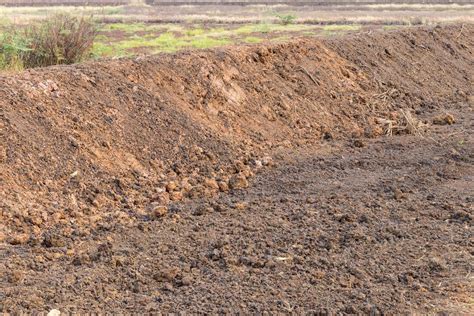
(258, 179)
(386, 227)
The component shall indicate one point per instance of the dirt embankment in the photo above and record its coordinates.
(114, 141)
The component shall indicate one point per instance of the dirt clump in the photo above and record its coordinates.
(238, 181)
(444, 119)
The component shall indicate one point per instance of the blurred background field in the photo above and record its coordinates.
(133, 27)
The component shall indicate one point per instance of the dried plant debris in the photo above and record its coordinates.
(403, 123)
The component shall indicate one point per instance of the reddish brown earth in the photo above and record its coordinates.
(115, 173)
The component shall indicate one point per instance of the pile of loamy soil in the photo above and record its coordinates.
(113, 142)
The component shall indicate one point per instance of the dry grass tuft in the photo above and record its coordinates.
(404, 122)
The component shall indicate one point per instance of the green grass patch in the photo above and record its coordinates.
(271, 27)
(208, 42)
(166, 42)
(218, 32)
(101, 38)
(391, 27)
(252, 40)
(195, 32)
(100, 49)
(131, 28)
(125, 27)
(4, 21)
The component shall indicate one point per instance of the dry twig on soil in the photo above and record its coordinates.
(405, 124)
(309, 75)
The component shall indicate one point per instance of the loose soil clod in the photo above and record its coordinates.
(444, 119)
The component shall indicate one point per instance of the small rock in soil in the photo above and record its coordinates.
(16, 276)
(162, 198)
(238, 181)
(267, 161)
(176, 196)
(240, 206)
(54, 240)
(437, 264)
(185, 281)
(398, 194)
(168, 287)
(203, 209)
(219, 207)
(156, 210)
(196, 191)
(327, 136)
(54, 312)
(171, 186)
(461, 216)
(358, 143)
(211, 184)
(310, 200)
(19, 239)
(167, 275)
(444, 119)
(223, 186)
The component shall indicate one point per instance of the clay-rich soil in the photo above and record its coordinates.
(382, 228)
(115, 174)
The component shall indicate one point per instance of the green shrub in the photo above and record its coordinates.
(286, 19)
(61, 39)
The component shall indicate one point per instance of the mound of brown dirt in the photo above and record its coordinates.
(112, 141)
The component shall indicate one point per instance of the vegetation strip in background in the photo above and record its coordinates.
(34, 37)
